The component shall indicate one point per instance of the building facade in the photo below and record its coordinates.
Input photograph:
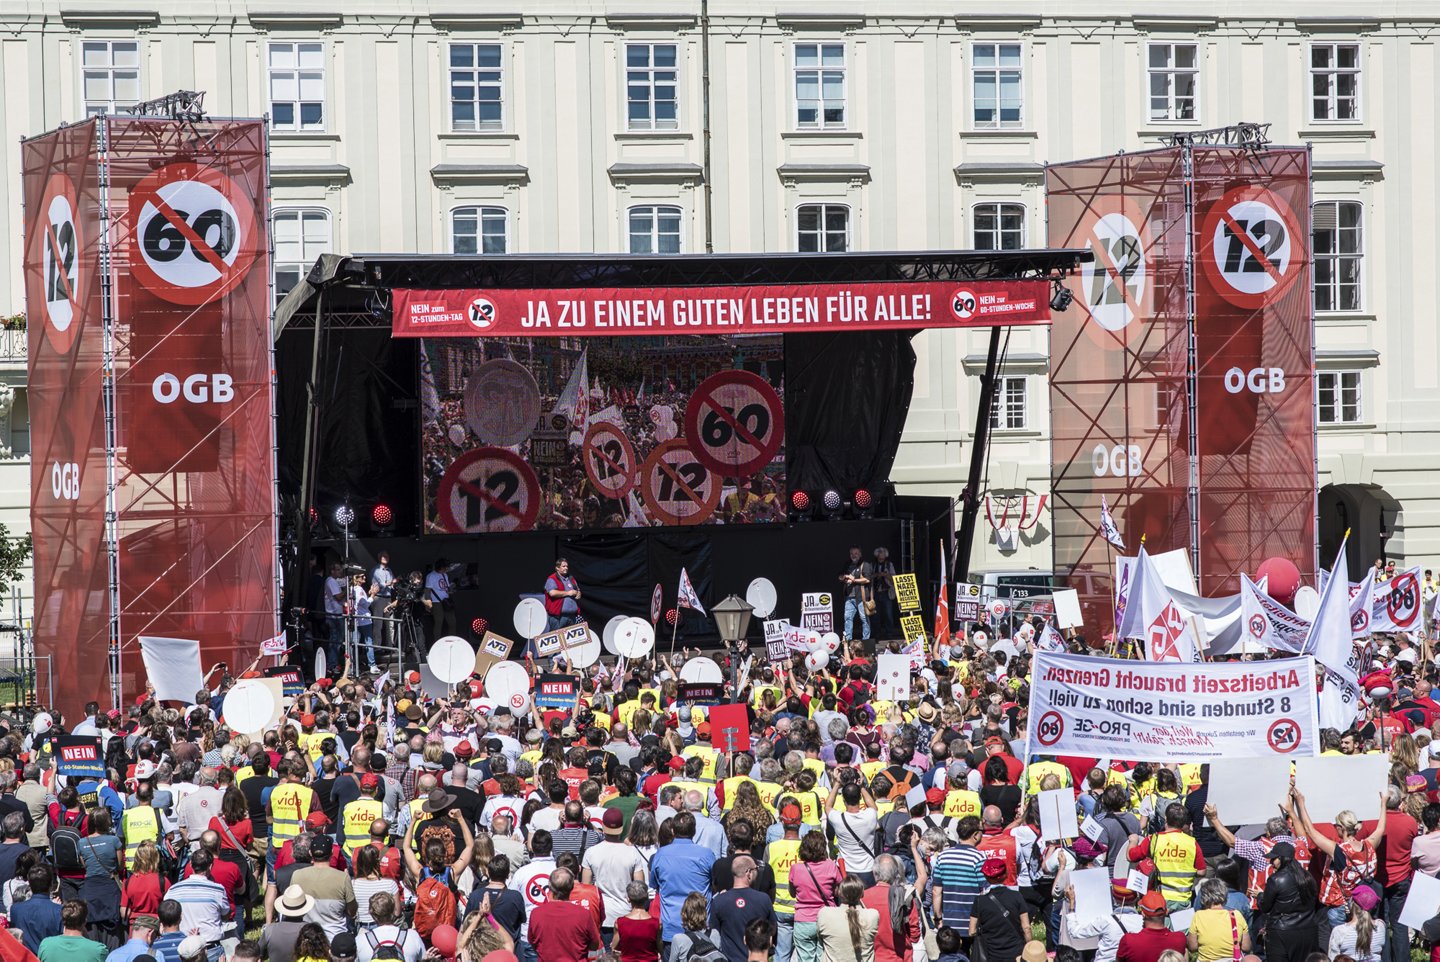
(833, 124)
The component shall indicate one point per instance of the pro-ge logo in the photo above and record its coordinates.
(481, 313)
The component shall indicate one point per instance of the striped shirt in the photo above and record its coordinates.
(956, 871)
(204, 904)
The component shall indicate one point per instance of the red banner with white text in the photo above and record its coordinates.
(761, 309)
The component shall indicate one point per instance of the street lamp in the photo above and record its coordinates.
(732, 617)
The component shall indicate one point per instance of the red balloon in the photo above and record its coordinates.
(445, 940)
(1283, 578)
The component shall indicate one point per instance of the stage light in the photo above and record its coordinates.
(479, 625)
(672, 616)
(314, 516)
(863, 501)
(799, 506)
(344, 516)
(1061, 298)
(382, 516)
(831, 502)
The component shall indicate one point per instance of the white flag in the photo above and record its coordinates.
(173, 666)
(1267, 623)
(1396, 603)
(1151, 615)
(685, 596)
(1339, 701)
(1362, 608)
(1108, 530)
(1050, 640)
(1330, 639)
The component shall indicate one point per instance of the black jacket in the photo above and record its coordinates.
(1289, 899)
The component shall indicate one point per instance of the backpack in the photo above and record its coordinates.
(435, 904)
(390, 950)
(703, 950)
(65, 852)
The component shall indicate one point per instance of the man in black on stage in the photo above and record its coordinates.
(857, 576)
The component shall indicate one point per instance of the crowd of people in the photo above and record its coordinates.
(379, 822)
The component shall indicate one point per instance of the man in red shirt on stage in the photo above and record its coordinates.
(562, 597)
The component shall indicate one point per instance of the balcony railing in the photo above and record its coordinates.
(13, 344)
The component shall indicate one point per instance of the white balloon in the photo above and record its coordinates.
(980, 639)
(451, 659)
(457, 434)
(607, 636)
(1004, 648)
(817, 660)
(505, 681)
(485, 706)
(997, 609)
(1307, 602)
(518, 704)
(320, 665)
(814, 641)
(700, 670)
(635, 638)
(761, 596)
(583, 656)
(1026, 631)
(831, 641)
(249, 706)
(530, 617)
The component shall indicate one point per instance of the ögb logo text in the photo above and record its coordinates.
(193, 233)
(65, 481)
(1257, 380)
(195, 388)
(1120, 461)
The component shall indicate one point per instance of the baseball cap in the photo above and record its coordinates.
(569, 732)
(144, 769)
(192, 947)
(1365, 897)
(413, 677)
(1152, 906)
(790, 814)
(677, 763)
(317, 820)
(613, 821)
(993, 868)
(935, 796)
(321, 847)
(414, 713)
(702, 730)
(307, 719)
(369, 781)
(145, 922)
(343, 946)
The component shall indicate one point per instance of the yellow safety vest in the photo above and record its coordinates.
(817, 766)
(243, 773)
(417, 815)
(139, 824)
(731, 785)
(781, 855)
(812, 807)
(688, 787)
(532, 757)
(1038, 770)
(603, 720)
(709, 754)
(1190, 776)
(871, 769)
(356, 818)
(960, 802)
(289, 804)
(757, 695)
(1174, 856)
(769, 792)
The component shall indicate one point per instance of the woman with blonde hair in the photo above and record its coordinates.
(1405, 753)
(847, 931)
(1359, 858)
(749, 807)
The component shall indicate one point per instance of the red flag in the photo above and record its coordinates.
(942, 607)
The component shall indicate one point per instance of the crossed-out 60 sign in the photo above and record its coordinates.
(193, 234)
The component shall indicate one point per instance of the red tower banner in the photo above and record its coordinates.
(61, 184)
(185, 339)
(1236, 484)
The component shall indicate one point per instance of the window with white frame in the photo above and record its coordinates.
(297, 85)
(996, 75)
(1174, 74)
(1339, 247)
(479, 230)
(653, 229)
(819, 86)
(652, 86)
(1008, 411)
(999, 227)
(110, 75)
(1335, 81)
(1337, 397)
(301, 234)
(476, 87)
(822, 229)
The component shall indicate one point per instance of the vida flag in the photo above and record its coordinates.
(1108, 531)
(1166, 631)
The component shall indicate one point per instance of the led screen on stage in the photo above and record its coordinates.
(551, 433)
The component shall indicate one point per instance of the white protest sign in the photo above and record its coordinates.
(1091, 828)
(892, 677)
(1067, 607)
(451, 659)
(1335, 783)
(1092, 893)
(1176, 711)
(1421, 903)
(1137, 882)
(1247, 791)
(173, 666)
(1180, 921)
(249, 706)
(1057, 815)
(816, 611)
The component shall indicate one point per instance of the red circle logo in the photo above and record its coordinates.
(1050, 728)
(1283, 736)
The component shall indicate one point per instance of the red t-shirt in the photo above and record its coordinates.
(241, 830)
(636, 939)
(573, 777)
(651, 788)
(1080, 769)
(1147, 944)
(589, 896)
(143, 893)
(565, 932)
(1400, 833)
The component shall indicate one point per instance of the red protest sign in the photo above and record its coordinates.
(734, 423)
(730, 728)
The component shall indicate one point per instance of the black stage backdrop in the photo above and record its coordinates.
(846, 399)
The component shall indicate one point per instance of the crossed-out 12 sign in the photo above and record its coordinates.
(734, 423)
(1115, 285)
(488, 489)
(193, 233)
(609, 460)
(1251, 246)
(676, 487)
(57, 235)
